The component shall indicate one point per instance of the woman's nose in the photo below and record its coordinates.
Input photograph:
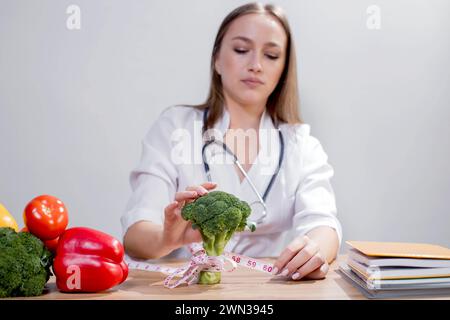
(255, 63)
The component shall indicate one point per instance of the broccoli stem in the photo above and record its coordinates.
(220, 243)
(213, 247)
(208, 277)
(208, 245)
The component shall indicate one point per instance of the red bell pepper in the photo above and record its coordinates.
(88, 260)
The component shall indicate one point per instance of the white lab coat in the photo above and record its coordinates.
(301, 197)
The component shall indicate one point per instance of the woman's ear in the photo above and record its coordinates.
(217, 65)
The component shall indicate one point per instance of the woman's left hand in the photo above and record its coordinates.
(302, 259)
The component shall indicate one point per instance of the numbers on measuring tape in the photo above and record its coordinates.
(252, 263)
(267, 268)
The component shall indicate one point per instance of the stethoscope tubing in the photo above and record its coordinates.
(236, 161)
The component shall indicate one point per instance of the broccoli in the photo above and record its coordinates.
(217, 215)
(24, 264)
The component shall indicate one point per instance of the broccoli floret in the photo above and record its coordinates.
(24, 264)
(217, 215)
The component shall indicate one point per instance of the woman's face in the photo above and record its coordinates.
(251, 58)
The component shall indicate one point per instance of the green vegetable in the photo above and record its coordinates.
(217, 215)
(24, 264)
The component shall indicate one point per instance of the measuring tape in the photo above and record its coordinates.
(200, 261)
(250, 263)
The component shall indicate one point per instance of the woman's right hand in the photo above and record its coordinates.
(177, 231)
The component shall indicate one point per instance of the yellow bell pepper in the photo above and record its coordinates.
(7, 220)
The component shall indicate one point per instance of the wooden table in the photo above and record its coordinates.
(242, 283)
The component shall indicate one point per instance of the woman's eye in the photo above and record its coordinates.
(272, 57)
(243, 51)
(240, 51)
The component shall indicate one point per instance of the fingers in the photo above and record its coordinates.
(203, 188)
(316, 262)
(201, 191)
(190, 194)
(209, 185)
(191, 235)
(169, 211)
(290, 252)
(302, 258)
(185, 195)
(319, 273)
(193, 192)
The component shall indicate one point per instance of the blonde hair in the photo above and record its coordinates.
(283, 103)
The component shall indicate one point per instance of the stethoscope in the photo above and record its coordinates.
(261, 202)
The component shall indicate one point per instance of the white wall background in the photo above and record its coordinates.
(74, 104)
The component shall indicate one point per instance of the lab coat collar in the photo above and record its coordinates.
(223, 124)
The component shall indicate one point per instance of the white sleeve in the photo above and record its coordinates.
(154, 181)
(315, 203)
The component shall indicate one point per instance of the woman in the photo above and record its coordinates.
(253, 89)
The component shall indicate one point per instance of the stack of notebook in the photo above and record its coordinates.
(394, 269)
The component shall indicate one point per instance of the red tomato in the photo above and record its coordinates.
(46, 217)
(50, 244)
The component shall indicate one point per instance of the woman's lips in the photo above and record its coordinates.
(251, 83)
